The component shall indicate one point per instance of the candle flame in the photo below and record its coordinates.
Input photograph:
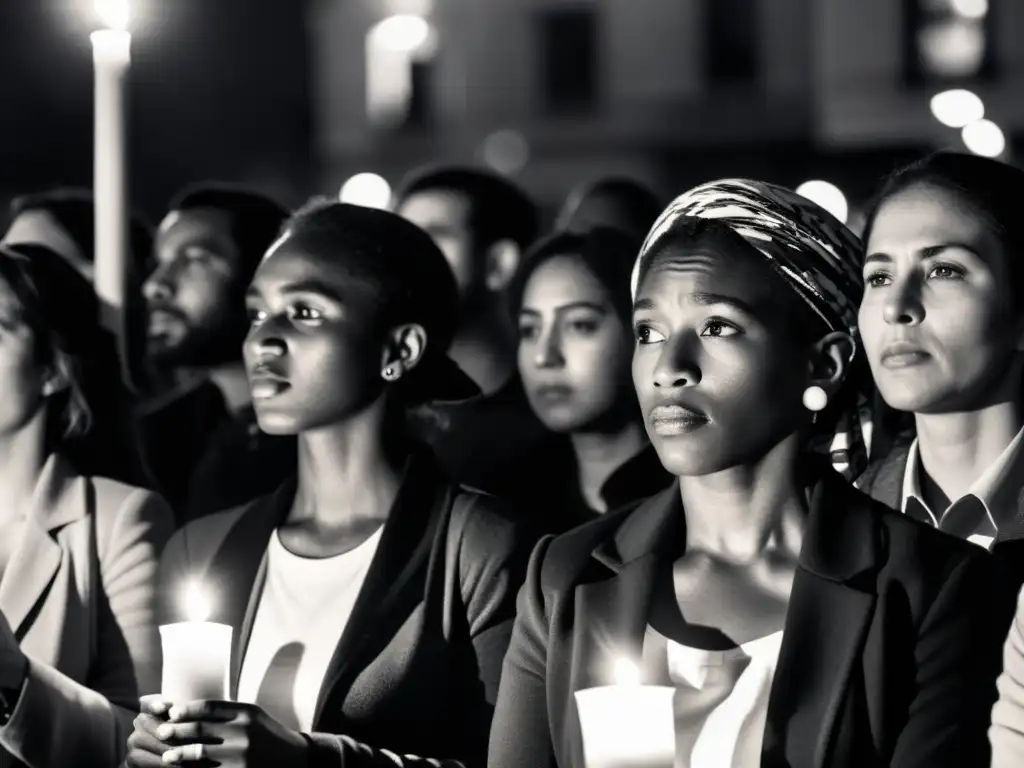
(197, 603)
(113, 14)
(626, 672)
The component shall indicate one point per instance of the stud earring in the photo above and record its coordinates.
(390, 374)
(815, 399)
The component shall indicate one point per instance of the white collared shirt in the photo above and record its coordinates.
(985, 488)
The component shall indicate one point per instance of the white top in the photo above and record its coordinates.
(304, 607)
(721, 702)
(984, 489)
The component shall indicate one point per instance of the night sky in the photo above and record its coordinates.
(219, 89)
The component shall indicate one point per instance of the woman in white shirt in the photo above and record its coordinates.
(943, 327)
(800, 623)
(371, 597)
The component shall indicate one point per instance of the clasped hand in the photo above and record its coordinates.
(214, 733)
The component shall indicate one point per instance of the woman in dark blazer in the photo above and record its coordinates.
(943, 326)
(864, 639)
(352, 310)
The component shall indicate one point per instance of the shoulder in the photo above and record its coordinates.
(124, 514)
(566, 558)
(920, 557)
(487, 524)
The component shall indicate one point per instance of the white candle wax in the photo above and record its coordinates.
(111, 62)
(627, 726)
(197, 661)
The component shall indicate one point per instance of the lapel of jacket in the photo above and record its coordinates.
(411, 543)
(830, 608)
(61, 496)
(611, 610)
(884, 481)
(236, 569)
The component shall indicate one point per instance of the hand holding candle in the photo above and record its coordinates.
(197, 654)
(627, 725)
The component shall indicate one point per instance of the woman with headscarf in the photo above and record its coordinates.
(371, 597)
(800, 623)
(570, 300)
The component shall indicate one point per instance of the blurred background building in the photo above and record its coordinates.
(302, 96)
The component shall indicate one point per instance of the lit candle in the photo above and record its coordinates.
(111, 55)
(627, 725)
(197, 654)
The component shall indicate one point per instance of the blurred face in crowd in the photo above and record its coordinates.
(27, 382)
(41, 227)
(574, 349)
(444, 215)
(938, 320)
(193, 297)
(719, 367)
(314, 350)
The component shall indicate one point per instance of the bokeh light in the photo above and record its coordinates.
(827, 195)
(983, 137)
(366, 189)
(957, 107)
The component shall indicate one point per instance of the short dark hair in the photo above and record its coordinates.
(405, 270)
(990, 188)
(636, 204)
(75, 210)
(499, 209)
(256, 218)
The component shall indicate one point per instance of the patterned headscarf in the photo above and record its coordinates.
(815, 253)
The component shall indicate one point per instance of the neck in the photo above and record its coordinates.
(741, 512)
(956, 448)
(348, 473)
(233, 384)
(486, 352)
(600, 454)
(22, 456)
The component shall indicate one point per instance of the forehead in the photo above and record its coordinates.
(434, 207)
(294, 260)
(193, 224)
(563, 279)
(923, 215)
(712, 266)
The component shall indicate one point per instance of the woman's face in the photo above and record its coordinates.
(574, 349)
(24, 377)
(313, 353)
(937, 318)
(719, 368)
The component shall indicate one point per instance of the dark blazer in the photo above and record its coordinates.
(891, 649)
(416, 669)
(883, 479)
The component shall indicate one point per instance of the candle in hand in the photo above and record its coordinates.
(627, 725)
(197, 653)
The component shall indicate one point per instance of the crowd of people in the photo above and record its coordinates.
(440, 470)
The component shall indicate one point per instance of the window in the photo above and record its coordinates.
(732, 45)
(568, 66)
(400, 52)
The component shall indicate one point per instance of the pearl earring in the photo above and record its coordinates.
(815, 399)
